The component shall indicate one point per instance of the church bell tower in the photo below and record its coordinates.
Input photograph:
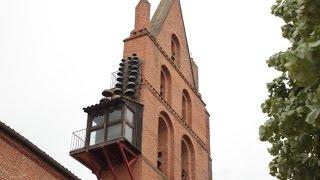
(152, 123)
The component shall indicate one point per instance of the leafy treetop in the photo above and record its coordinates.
(293, 105)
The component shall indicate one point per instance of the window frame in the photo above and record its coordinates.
(91, 128)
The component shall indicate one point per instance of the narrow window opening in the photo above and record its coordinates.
(159, 160)
(163, 84)
(175, 49)
(187, 159)
(183, 174)
(184, 109)
(162, 146)
(184, 161)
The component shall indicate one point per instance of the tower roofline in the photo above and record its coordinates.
(159, 16)
(158, 19)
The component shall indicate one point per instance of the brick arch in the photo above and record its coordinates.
(187, 159)
(165, 145)
(165, 84)
(175, 49)
(186, 107)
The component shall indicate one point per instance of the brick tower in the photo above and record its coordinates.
(153, 123)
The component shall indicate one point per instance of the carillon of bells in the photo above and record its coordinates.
(120, 79)
(127, 78)
(132, 75)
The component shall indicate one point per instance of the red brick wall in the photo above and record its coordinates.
(18, 163)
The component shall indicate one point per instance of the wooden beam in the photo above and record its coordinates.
(106, 154)
(96, 168)
(125, 159)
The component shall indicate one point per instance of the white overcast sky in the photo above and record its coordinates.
(56, 57)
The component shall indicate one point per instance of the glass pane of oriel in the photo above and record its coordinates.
(114, 116)
(114, 131)
(129, 115)
(98, 120)
(96, 137)
(128, 133)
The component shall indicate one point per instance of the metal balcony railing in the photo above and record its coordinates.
(78, 140)
(113, 80)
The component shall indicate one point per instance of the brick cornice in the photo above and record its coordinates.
(143, 32)
(174, 113)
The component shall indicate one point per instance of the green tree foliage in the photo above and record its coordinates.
(293, 105)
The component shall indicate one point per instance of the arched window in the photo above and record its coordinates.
(165, 84)
(175, 49)
(186, 107)
(165, 146)
(187, 159)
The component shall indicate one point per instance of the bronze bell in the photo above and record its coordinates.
(120, 73)
(119, 85)
(121, 68)
(104, 99)
(107, 93)
(123, 60)
(133, 73)
(132, 78)
(129, 58)
(131, 85)
(135, 67)
(134, 54)
(118, 91)
(122, 64)
(116, 97)
(129, 92)
(135, 62)
(135, 58)
(120, 79)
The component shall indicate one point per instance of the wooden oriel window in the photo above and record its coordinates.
(109, 125)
